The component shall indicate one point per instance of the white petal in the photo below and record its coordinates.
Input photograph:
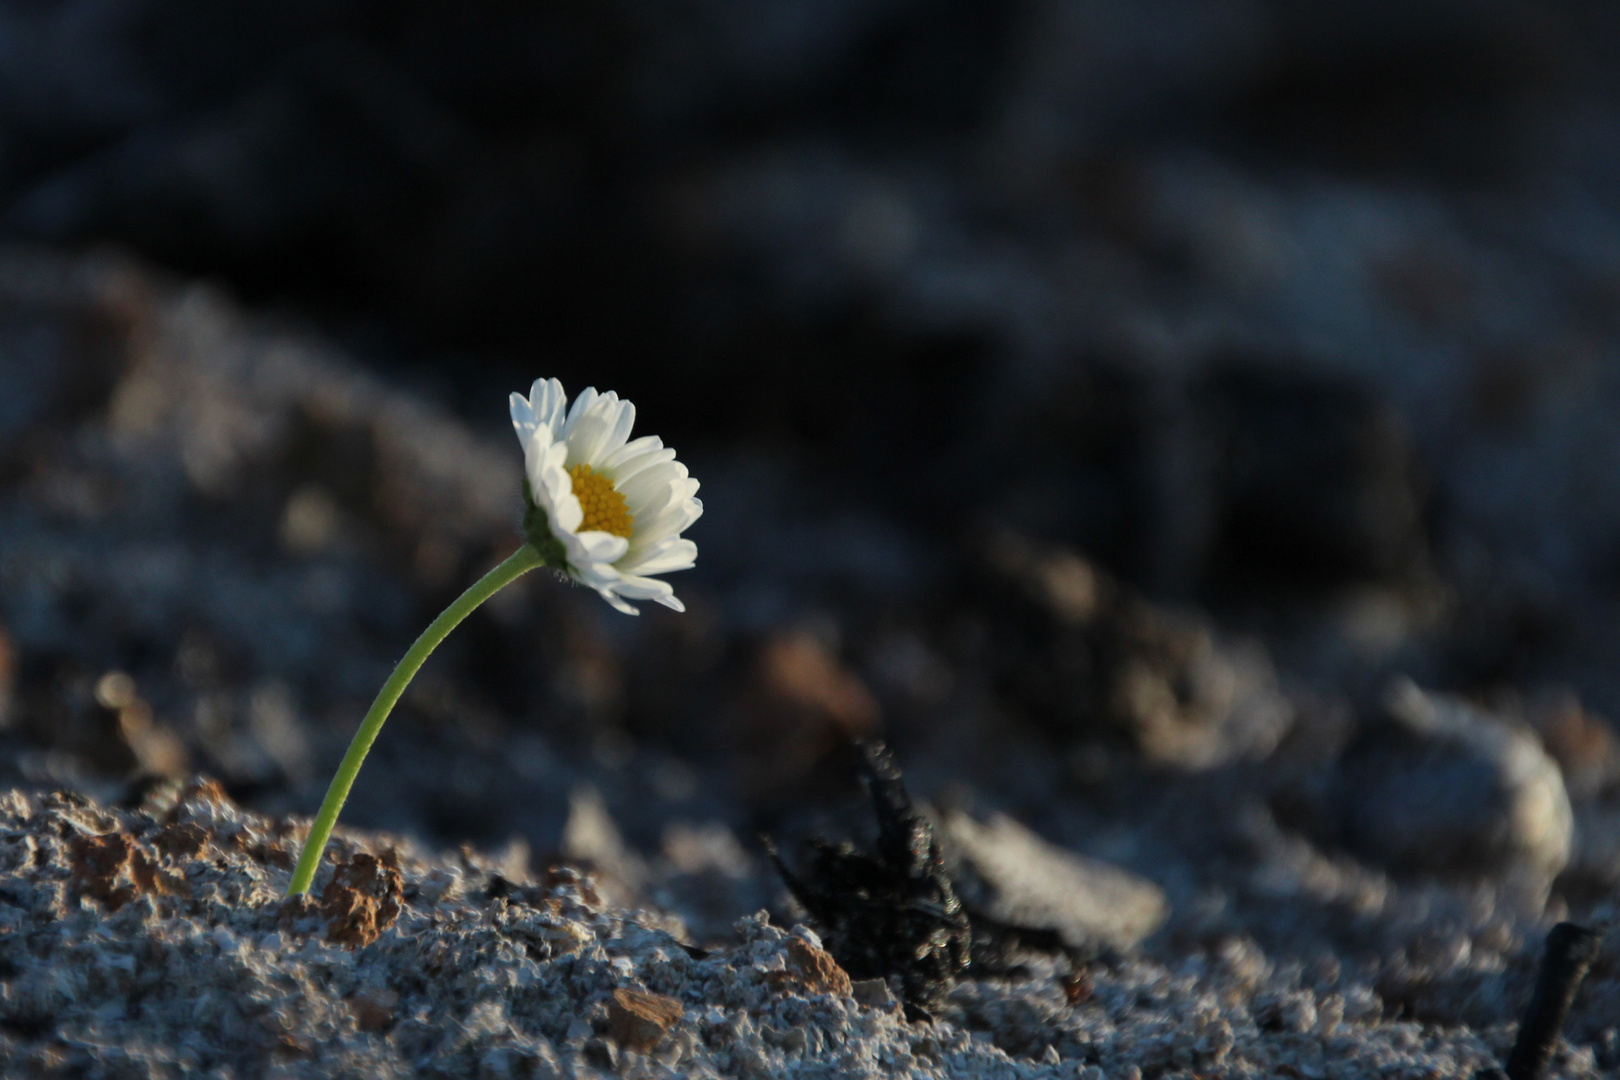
(625, 459)
(546, 399)
(651, 487)
(564, 509)
(643, 588)
(665, 558)
(620, 433)
(674, 494)
(638, 465)
(618, 605)
(536, 446)
(670, 520)
(522, 415)
(556, 458)
(590, 432)
(551, 487)
(586, 397)
(604, 547)
(566, 516)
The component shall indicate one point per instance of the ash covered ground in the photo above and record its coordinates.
(1187, 435)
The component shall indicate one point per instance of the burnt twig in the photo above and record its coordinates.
(890, 914)
(1570, 952)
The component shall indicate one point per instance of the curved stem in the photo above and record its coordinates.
(523, 560)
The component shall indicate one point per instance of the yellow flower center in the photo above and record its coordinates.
(605, 509)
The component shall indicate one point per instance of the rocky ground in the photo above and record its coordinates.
(158, 942)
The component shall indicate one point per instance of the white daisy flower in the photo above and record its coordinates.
(605, 509)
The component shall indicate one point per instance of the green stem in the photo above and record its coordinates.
(523, 560)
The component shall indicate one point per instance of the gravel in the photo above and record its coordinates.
(157, 942)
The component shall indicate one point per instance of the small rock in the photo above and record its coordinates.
(793, 1039)
(98, 862)
(1329, 1014)
(183, 840)
(638, 1020)
(1440, 787)
(1077, 987)
(816, 968)
(363, 899)
(1014, 876)
(298, 914)
(873, 994)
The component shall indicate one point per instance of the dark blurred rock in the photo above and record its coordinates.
(1087, 659)
(1004, 870)
(1314, 482)
(1439, 788)
(1420, 92)
(62, 357)
(1086, 449)
(796, 712)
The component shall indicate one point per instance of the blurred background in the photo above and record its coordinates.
(1191, 429)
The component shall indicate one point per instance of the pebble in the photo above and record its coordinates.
(1440, 787)
(1012, 874)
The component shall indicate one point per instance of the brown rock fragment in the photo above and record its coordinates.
(98, 863)
(816, 969)
(638, 1020)
(363, 899)
(114, 869)
(273, 854)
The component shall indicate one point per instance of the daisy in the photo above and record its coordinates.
(603, 508)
